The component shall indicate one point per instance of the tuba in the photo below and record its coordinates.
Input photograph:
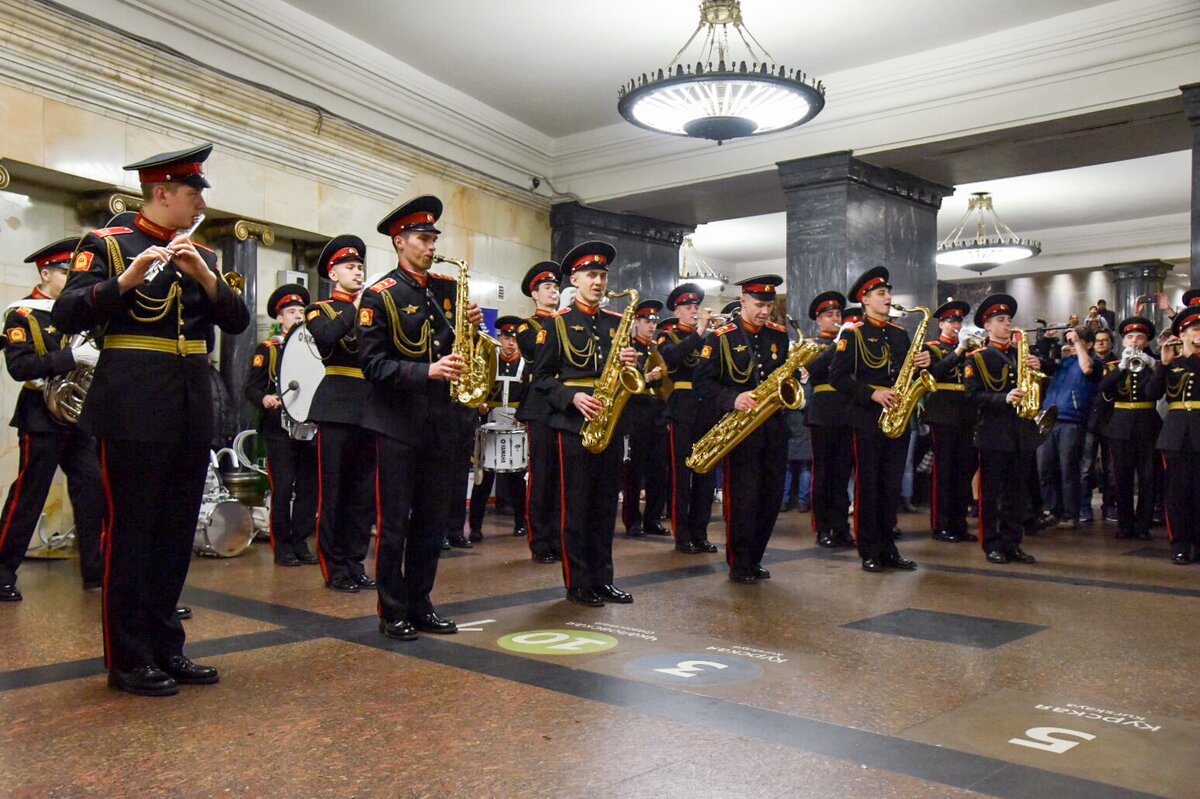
(479, 351)
(781, 389)
(65, 394)
(1030, 380)
(910, 384)
(616, 384)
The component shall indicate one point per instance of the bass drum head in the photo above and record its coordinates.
(226, 529)
(300, 362)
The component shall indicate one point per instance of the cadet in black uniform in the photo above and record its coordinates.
(406, 324)
(951, 420)
(647, 462)
(691, 493)
(1132, 428)
(1179, 378)
(542, 488)
(656, 504)
(36, 351)
(832, 455)
(345, 449)
(734, 360)
(572, 349)
(1005, 441)
(150, 405)
(865, 365)
(291, 463)
(509, 391)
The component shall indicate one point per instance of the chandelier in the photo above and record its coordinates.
(983, 251)
(698, 272)
(723, 101)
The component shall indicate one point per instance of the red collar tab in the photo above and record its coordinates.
(644, 341)
(345, 254)
(344, 296)
(588, 260)
(996, 309)
(1000, 345)
(873, 283)
(758, 288)
(38, 294)
(539, 313)
(880, 325)
(590, 310)
(288, 299)
(825, 306)
(541, 277)
(153, 229)
(682, 328)
(57, 258)
(421, 278)
(403, 223)
(170, 173)
(827, 336)
(945, 340)
(749, 328)
(516, 357)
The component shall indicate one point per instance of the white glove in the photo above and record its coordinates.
(1124, 364)
(85, 353)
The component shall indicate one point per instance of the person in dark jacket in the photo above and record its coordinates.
(832, 451)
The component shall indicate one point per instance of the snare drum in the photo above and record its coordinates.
(224, 530)
(501, 448)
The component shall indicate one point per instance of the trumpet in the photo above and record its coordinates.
(718, 319)
(1135, 360)
(973, 337)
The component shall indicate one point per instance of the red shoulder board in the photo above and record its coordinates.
(854, 325)
(893, 324)
(442, 277)
(933, 343)
(270, 343)
(322, 302)
(111, 231)
(562, 311)
(976, 352)
(24, 311)
(776, 326)
(384, 284)
(720, 331)
(610, 313)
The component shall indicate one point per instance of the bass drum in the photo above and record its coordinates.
(300, 364)
(224, 530)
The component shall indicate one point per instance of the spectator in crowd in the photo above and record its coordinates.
(797, 489)
(1110, 318)
(1096, 463)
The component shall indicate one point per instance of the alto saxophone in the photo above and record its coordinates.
(781, 389)
(616, 384)
(479, 351)
(911, 385)
(1030, 380)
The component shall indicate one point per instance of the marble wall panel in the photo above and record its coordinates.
(83, 143)
(238, 185)
(22, 137)
(290, 199)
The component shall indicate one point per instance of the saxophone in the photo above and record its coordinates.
(779, 390)
(910, 385)
(479, 351)
(1030, 380)
(616, 384)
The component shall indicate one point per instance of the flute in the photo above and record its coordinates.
(161, 264)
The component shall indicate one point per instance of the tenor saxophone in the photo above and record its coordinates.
(911, 384)
(479, 351)
(616, 384)
(781, 389)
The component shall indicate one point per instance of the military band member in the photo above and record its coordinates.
(1179, 440)
(509, 392)
(1006, 442)
(572, 349)
(647, 462)
(406, 335)
(865, 366)
(1132, 428)
(832, 455)
(345, 449)
(691, 493)
(542, 487)
(656, 508)
(36, 351)
(158, 324)
(734, 359)
(951, 420)
(291, 463)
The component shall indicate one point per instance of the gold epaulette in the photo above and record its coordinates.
(720, 331)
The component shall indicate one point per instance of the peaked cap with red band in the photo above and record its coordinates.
(1137, 324)
(340, 249)
(589, 255)
(994, 305)
(954, 309)
(667, 323)
(873, 278)
(285, 295)
(417, 215)
(685, 294)
(57, 254)
(648, 309)
(1188, 317)
(851, 313)
(181, 166)
(761, 287)
(824, 301)
(539, 273)
(1191, 297)
(507, 325)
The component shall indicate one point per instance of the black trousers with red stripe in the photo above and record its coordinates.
(1182, 486)
(1004, 498)
(754, 476)
(413, 502)
(833, 461)
(153, 490)
(345, 498)
(292, 470)
(515, 482)
(691, 493)
(878, 471)
(1134, 458)
(647, 464)
(590, 484)
(543, 492)
(954, 463)
(41, 454)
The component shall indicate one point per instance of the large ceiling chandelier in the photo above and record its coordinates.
(721, 98)
(985, 250)
(698, 271)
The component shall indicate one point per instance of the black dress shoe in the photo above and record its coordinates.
(946, 536)
(9, 593)
(432, 623)
(745, 578)
(363, 581)
(183, 612)
(181, 669)
(761, 573)
(585, 596)
(1180, 559)
(872, 565)
(826, 540)
(1021, 556)
(704, 545)
(656, 529)
(895, 560)
(143, 681)
(897, 533)
(635, 532)
(545, 557)
(286, 558)
(400, 629)
(610, 593)
(305, 555)
(520, 532)
(688, 548)
(459, 542)
(344, 584)
(996, 556)
(445, 544)
(475, 537)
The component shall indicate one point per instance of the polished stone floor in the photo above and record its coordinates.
(1074, 677)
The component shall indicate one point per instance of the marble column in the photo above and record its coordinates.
(844, 216)
(97, 208)
(237, 240)
(4, 177)
(647, 249)
(1191, 105)
(1133, 279)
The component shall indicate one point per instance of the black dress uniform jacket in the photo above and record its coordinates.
(342, 392)
(991, 373)
(262, 380)
(826, 408)
(948, 405)
(868, 358)
(543, 518)
(1122, 387)
(573, 345)
(36, 350)
(1180, 383)
(534, 405)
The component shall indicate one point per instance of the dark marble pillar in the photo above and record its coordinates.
(647, 249)
(96, 208)
(844, 216)
(1191, 105)
(1133, 279)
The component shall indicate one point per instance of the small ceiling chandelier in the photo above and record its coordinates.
(721, 99)
(698, 271)
(983, 251)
